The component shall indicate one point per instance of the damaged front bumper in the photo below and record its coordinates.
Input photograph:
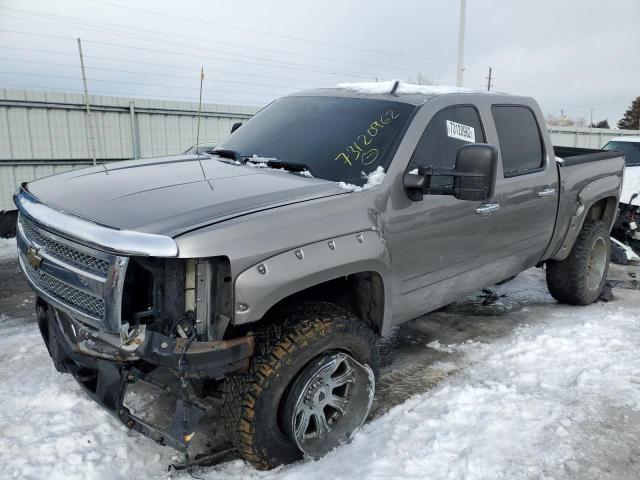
(627, 224)
(105, 369)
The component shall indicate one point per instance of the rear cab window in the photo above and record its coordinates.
(448, 130)
(520, 141)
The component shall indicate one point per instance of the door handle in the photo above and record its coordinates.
(487, 208)
(546, 192)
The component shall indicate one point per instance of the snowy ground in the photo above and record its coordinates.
(7, 248)
(513, 388)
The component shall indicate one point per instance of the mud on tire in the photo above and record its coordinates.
(253, 402)
(575, 280)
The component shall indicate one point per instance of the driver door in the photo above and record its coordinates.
(439, 244)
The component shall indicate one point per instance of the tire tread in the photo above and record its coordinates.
(276, 343)
(566, 279)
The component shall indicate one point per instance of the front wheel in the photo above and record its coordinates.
(580, 278)
(309, 387)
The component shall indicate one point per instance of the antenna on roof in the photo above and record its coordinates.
(395, 87)
(199, 109)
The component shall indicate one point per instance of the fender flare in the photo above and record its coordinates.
(590, 194)
(261, 286)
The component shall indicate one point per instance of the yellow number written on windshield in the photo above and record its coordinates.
(363, 148)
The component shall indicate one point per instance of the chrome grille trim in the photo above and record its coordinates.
(79, 280)
(63, 252)
(85, 303)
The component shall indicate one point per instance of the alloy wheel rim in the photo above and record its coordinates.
(332, 404)
(596, 264)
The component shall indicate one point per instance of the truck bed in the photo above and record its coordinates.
(576, 156)
(585, 175)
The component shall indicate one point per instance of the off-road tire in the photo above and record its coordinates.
(290, 339)
(567, 279)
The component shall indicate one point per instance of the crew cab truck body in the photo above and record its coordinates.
(264, 273)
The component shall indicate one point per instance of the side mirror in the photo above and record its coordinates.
(473, 177)
(235, 126)
(476, 166)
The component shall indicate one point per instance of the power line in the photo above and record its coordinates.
(274, 64)
(153, 85)
(272, 34)
(138, 62)
(123, 31)
(118, 94)
(155, 74)
(530, 81)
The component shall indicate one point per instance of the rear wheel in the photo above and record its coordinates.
(309, 386)
(580, 278)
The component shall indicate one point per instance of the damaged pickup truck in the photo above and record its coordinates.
(264, 273)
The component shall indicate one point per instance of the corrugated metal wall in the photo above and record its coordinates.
(44, 132)
(584, 137)
(12, 175)
(44, 125)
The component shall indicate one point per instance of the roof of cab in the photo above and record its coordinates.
(403, 92)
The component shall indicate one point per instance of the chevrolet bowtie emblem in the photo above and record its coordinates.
(35, 260)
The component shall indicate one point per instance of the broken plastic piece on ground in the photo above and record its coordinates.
(623, 254)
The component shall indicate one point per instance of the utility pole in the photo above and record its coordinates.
(460, 71)
(90, 132)
(489, 81)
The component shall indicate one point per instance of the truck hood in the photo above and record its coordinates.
(172, 195)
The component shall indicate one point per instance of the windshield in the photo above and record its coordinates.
(631, 151)
(335, 138)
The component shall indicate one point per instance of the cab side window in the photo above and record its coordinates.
(447, 131)
(519, 138)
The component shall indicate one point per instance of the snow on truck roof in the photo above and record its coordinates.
(397, 91)
(402, 88)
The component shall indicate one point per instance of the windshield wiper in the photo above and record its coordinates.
(272, 162)
(226, 153)
(290, 166)
(275, 163)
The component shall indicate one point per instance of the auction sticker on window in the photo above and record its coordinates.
(461, 132)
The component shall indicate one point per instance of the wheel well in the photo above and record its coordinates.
(604, 209)
(360, 293)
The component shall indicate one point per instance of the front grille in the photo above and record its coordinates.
(85, 303)
(64, 252)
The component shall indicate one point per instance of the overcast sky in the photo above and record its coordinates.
(571, 55)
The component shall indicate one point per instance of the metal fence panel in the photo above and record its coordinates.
(12, 175)
(43, 125)
(586, 137)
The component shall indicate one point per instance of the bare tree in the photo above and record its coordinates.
(421, 79)
(565, 121)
